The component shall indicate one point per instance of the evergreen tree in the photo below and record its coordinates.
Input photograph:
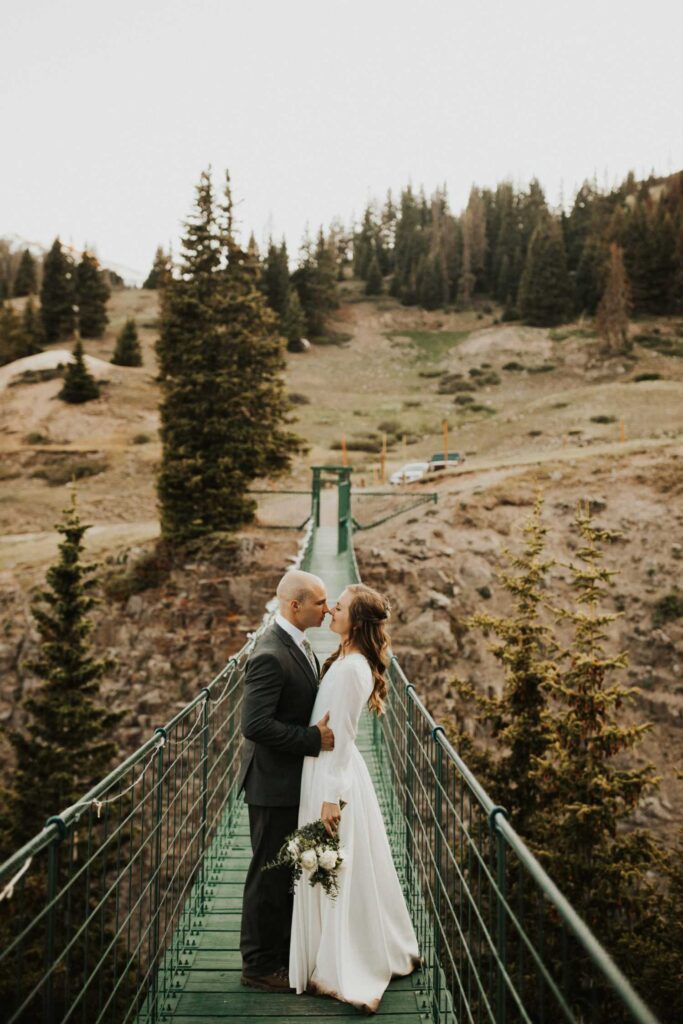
(615, 304)
(224, 404)
(518, 719)
(26, 280)
(79, 384)
(160, 272)
(374, 285)
(57, 295)
(474, 247)
(92, 294)
(66, 746)
(364, 245)
(315, 281)
(590, 789)
(127, 351)
(294, 322)
(11, 335)
(591, 274)
(276, 278)
(545, 293)
(32, 329)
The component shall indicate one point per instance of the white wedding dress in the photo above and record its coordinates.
(350, 947)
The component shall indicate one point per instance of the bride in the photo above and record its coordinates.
(351, 947)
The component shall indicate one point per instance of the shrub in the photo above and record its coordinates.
(147, 571)
(451, 384)
(463, 399)
(545, 368)
(62, 471)
(295, 398)
(602, 418)
(667, 608)
(36, 438)
(513, 365)
(646, 376)
(141, 438)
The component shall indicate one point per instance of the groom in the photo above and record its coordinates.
(280, 687)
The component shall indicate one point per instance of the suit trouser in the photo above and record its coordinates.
(268, 904)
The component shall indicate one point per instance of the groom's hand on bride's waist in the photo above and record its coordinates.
(326, 734)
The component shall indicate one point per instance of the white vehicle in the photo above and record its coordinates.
(411, 471)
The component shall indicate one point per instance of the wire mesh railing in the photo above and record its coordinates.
(112, 884)
(500, 942)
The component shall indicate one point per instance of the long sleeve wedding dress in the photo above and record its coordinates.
(351, 947)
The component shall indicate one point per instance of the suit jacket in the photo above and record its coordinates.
(279, 693)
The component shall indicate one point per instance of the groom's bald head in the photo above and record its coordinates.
(302, 598)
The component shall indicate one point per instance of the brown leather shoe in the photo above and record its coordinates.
(278, 981)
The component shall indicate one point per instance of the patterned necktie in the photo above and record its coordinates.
(308, 651)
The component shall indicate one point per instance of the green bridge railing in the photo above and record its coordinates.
(107, 892)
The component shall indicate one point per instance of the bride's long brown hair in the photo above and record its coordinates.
(368, 616)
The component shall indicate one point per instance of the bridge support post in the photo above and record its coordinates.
(153, 998)
(438, 868)
(52, 871)
(315, 496)
(501, 920)
(344, 508)
(205, 797)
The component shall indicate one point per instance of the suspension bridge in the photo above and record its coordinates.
(126, 906)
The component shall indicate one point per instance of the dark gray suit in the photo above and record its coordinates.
(280, 688)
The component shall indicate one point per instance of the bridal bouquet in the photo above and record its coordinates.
(311, 849)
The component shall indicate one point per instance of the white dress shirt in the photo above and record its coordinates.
(298, 636)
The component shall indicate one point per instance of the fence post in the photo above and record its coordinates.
(501, 920)
(205, 794)
(438, 869)
(156, 868)
(52, 877)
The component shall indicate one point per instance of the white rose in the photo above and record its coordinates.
(293, 848)
(309, 859)
(328, 859)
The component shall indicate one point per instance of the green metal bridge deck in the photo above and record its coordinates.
(126, 907)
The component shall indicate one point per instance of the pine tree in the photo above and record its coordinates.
(589, 788)
(79, 384)
(160, 272)
(276, 278)
(11, 335)
(615, 305)
(26, 280)
(92, 294)
(315, 281)
(32, 328)
(374, 285)
(545, 293)
(224, 404)
(364, 245)
(57, 295)
(66, 746)
(294, 322)
(517, 719)
(591, 274)
(127, 351)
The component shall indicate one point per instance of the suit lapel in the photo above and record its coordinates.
(297, 652)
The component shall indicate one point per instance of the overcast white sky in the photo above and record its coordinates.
(111, 110)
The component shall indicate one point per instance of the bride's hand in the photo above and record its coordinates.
(331, 816)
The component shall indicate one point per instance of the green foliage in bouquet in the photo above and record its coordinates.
(327, 856)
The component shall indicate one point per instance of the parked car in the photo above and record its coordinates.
(406, 474)
(438, 460)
